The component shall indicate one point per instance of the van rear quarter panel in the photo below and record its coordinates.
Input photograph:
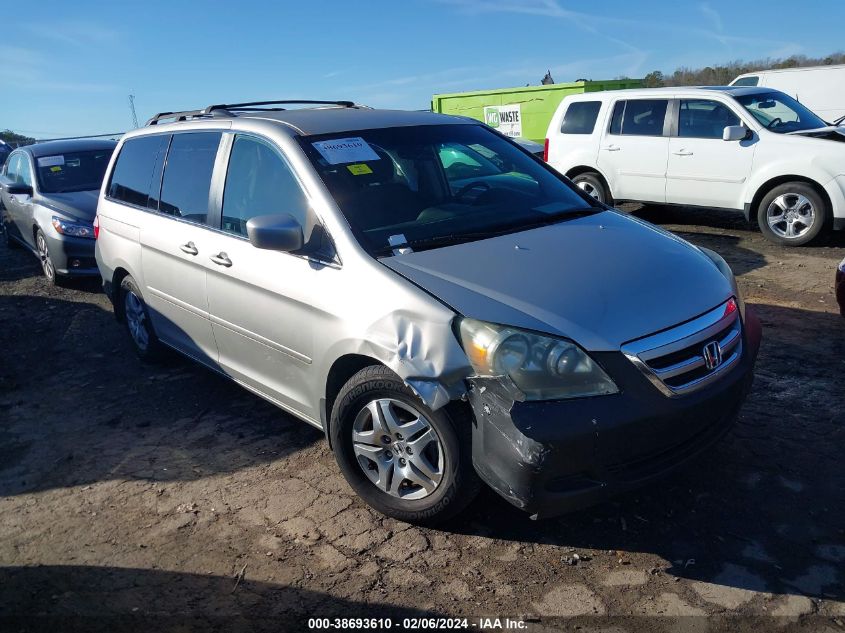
(118, 244)
(572, 150)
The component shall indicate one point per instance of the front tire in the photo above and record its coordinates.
(592, 184)
(792, 214)
(136, 319)
(47, 266)
(402, 458)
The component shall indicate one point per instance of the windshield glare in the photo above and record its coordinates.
(72, 171)
(780, 113)
(426, 185)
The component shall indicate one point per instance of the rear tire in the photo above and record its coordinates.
(792, 214)
(593, 185)
(136, 320)
(402, 458)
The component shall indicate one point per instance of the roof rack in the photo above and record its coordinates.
(226, 109)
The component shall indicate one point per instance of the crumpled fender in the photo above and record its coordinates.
(421, 349)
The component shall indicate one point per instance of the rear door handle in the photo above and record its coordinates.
(221, 259)
(682, 153)
(611, 148)
(190, 248)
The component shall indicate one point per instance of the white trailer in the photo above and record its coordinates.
(820, 88)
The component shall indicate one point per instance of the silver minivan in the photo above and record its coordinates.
(447, 308)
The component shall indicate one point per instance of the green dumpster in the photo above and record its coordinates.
(524, 112)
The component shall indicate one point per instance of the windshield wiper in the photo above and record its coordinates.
(459, 238)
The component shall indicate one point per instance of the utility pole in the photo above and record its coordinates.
(132, 109)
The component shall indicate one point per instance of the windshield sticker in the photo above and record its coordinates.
(55, 169)
(345, 150)
(51, 161)
(359, 169)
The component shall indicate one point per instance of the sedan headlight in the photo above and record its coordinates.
(542, 367)
(74, 229)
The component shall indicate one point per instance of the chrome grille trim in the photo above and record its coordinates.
(646, 353)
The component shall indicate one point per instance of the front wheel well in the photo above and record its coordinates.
(767, 186)
(341, 371)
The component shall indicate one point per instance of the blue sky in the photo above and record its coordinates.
(66, 68)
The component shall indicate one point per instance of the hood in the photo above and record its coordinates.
(600, 280)
(78, 205)
(831, 133)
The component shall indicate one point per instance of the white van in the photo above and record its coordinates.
(755, 150)
(820, 88)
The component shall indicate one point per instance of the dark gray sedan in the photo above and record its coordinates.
(49, 199)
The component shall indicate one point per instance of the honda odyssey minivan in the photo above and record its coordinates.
(447, 308)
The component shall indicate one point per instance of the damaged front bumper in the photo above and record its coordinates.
(551, 457)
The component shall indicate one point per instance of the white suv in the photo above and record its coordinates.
(751, 149)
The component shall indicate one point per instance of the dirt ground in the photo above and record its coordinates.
(170, 499)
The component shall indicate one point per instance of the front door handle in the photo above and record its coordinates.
(611, 148)
(221, 259)
(190, 248)
(682, 152)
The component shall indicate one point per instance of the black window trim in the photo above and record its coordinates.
(667, 118)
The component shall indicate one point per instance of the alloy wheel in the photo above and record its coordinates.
(44, 256)
(590, 190)
(398, 449)
(790, 215)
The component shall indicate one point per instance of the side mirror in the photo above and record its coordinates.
(18, 188)
(735, 133)
(275, 232)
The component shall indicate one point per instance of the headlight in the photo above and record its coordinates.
(542, 367)
(723, 267)
(75, 229)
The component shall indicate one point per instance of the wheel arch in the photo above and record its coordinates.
(339, 374)
(751, 209)
(117, 278)
(583, 169)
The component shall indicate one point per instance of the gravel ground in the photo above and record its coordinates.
(169, 499)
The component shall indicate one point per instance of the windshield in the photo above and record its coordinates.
(431, 185)
(72, 171)
(779, 112)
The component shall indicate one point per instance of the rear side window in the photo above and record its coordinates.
(187, 175)
(639, 117)
(746, 81)
(259, 182)
(580, 117)
(136, 176)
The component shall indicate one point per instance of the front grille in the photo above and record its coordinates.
(675, 360)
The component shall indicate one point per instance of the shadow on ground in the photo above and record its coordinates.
(82, 598)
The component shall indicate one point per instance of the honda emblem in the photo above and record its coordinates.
(712, 353)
